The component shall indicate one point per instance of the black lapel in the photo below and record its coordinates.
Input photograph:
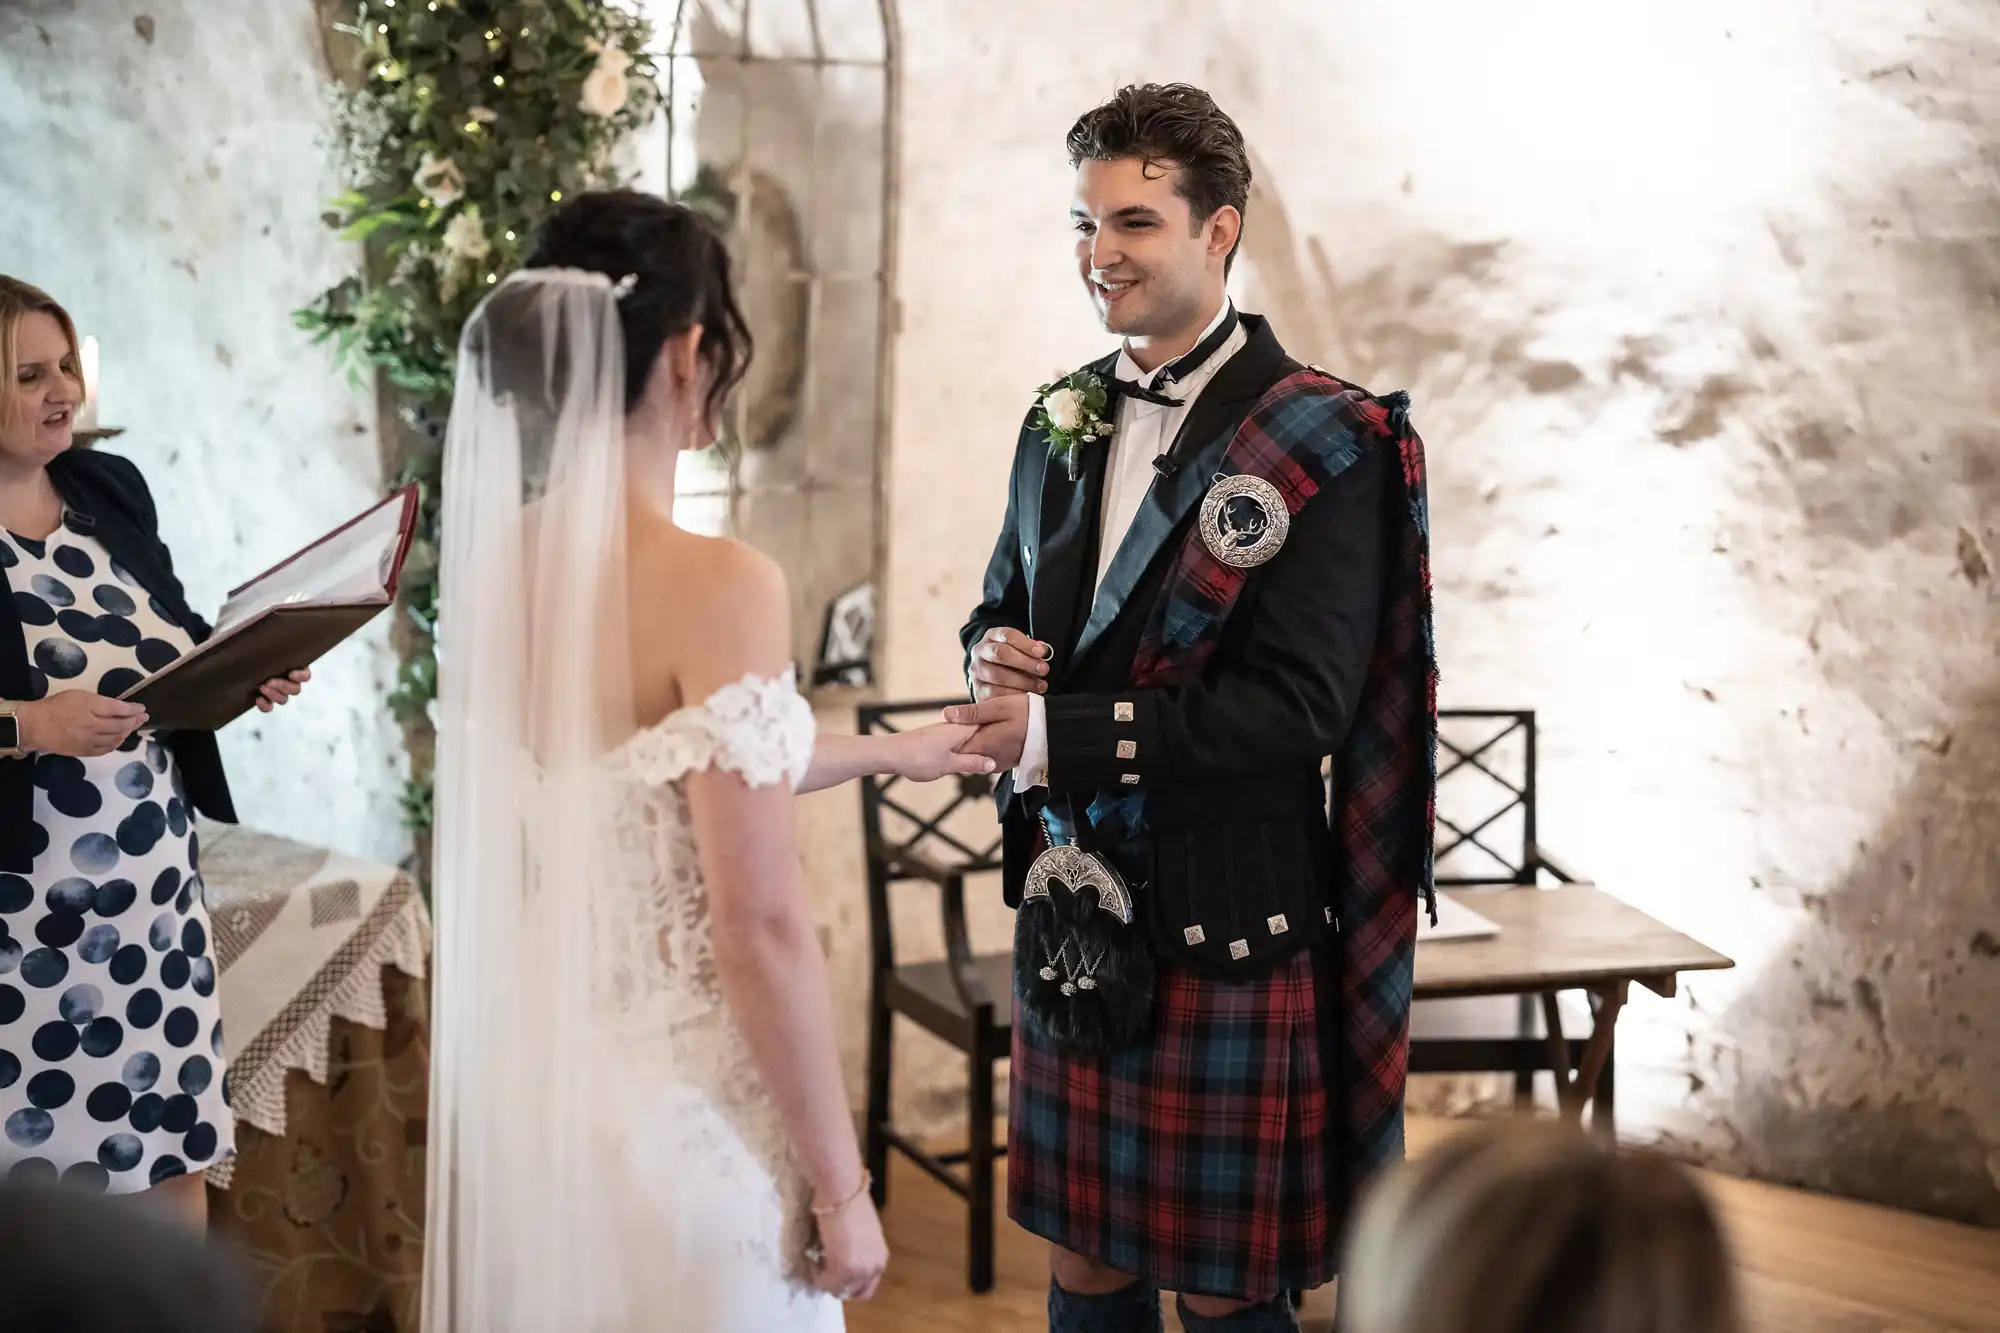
(1062, 566)
(1204, 437)
(13, 647)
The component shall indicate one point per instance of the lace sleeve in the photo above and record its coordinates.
(760, 728)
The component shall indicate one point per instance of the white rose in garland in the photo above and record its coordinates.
(605, 88)
(612, 58)
(440, 180)
(465, 235)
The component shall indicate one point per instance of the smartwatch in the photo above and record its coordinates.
(10, 732)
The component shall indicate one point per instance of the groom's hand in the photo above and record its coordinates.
(1003, 727)
(1006, 662)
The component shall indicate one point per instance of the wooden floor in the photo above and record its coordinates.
(1811, 1264)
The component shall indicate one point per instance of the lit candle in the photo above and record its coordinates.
(86, 416)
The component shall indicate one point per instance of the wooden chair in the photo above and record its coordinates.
(1468, 739)
(964, 998)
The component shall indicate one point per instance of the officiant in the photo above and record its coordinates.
(111, 1041)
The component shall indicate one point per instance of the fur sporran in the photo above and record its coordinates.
(1082, 967)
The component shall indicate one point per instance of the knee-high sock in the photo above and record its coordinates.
(1273, 1316)
(1133, 1309)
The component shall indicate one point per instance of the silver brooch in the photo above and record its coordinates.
(1244, 520)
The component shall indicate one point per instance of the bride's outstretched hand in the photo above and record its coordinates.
(929, 753)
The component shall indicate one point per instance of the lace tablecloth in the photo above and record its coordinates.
(326, 1018)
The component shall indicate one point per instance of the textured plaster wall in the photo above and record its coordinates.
(161, 175)
(1700, 306)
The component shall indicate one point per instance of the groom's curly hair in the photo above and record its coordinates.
(1170, 125)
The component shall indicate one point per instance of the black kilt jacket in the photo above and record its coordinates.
(1232, 871)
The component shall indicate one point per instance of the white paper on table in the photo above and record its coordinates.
(1455, 921)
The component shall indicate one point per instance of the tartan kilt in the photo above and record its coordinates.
(1203, 1159)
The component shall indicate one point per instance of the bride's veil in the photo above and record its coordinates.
(535, 686)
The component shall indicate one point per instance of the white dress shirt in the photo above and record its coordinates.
(1144, 432)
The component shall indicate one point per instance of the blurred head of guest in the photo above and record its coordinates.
(1537, 1228)
(43, 368)
(73, 1263)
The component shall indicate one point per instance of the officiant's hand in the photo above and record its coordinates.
(78, 723)
(1003, 727)
(280, 689)
(1007, 661)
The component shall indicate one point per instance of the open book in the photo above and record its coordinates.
(285, 619)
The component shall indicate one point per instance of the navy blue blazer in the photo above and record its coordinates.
(108, 498)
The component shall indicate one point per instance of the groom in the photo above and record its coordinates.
(1212, 577)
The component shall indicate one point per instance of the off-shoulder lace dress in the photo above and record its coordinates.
(696, 1133)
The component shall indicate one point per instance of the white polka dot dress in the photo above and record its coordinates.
(111, 1068)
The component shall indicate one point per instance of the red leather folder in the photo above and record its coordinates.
(282, 630)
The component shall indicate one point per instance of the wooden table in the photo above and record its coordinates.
(1571, 937)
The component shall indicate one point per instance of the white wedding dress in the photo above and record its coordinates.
(694, 1122)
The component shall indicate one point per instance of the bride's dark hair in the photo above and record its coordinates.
(679, 275)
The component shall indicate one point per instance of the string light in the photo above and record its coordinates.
(382, 28)
(472, 127)
(491, 33)
(555, 196)
(510, 235)
(499, 82)
(492, 278)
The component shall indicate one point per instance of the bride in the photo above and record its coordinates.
(638, 1121)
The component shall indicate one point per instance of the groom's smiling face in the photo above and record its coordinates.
(1149, 266)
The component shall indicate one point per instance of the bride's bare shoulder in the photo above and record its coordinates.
(721, 607)
(717, 571)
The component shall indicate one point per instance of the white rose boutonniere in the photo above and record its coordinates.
(1071, 415)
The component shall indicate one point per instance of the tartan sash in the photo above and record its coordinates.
(1301, 434)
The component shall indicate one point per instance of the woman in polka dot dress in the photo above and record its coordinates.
(111, 1042)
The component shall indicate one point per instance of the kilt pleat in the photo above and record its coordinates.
(1202, 1158)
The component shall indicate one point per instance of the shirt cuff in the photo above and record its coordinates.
(1033, 770)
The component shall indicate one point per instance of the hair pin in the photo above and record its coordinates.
(623, 287)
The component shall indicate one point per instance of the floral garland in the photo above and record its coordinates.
(467, 120)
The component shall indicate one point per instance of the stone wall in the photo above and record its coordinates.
(1698, 307)
(163, 177)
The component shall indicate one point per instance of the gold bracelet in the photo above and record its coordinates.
(828, 1210)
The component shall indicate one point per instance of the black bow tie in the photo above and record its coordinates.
(1134, 389)
(1179, 368)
